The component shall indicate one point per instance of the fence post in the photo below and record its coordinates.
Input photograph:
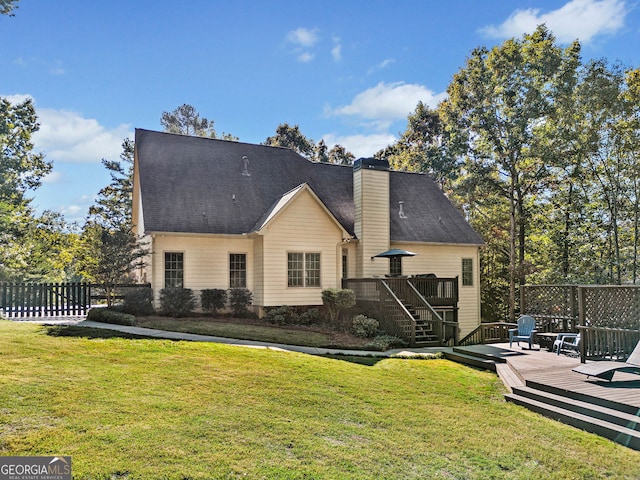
(582, 319)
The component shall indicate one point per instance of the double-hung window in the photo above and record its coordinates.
(173, 269)
(303, 269)
(467, 272)
(237, 270)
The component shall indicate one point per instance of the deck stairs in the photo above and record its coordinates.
(614, 420)
(424, 334)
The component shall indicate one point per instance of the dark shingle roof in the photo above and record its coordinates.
(199, 185)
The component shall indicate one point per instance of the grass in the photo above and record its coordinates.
(156, 409)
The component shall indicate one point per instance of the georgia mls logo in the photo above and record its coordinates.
(35, 468)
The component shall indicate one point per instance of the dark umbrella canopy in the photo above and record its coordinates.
(395, 252)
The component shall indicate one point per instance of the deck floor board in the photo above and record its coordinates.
(554, 370)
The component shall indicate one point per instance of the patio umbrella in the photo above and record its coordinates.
(395, 252)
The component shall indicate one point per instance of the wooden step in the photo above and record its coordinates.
(510, 377)
(620, 434)
(586, 408)
(608, 403)
(487, 352)
(471, 360)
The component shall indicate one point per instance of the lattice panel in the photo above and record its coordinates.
(552, 300)
(613, 307)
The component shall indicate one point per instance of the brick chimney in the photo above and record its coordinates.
(371, 201)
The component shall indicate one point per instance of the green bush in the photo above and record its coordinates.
(386, 342)
(213, 299)
(239, 300)
(138, 301)
(283, 315)
(336, 300)
(107, 315)
(364, 327)
(311, 316)
(177, 302)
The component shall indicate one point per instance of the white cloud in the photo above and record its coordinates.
(336, 51)
(69, 137)
(388, 102)
(360, 145)
(303, 37)
(582, 19)
(53, 177)
(305, 57)
(382, 65)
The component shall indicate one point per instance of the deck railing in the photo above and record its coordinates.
(386, 299)
(602, 343)
(494, 332)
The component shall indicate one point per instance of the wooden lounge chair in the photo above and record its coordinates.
(526, 331)
(606, 369)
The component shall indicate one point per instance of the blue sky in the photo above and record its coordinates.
(348, 72)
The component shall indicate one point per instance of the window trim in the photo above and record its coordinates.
(181, 270)
(467, 273)
(302, 272)
(242, 272)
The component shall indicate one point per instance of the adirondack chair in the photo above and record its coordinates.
(606, 369)
(566, 341)
(525, 332)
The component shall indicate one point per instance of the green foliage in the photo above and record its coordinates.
(365, 327)
(138, 301)
(7, 7)
(177, 302)
(107, 315)
(291, 137)
(239, 301)
(213, 300)
(284, 315)
(336, 300)
(386, 342)
(110, 251)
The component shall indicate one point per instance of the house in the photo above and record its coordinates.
(223, 214)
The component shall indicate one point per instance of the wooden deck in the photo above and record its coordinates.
(542, 381)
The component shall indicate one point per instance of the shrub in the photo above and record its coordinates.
(385, 342)
(336, 300)
(283, 315)
(239, 300)
(364, 327)
(138, 301)
(107, 315)
(311, 316)
(213, 299)
(177, 302)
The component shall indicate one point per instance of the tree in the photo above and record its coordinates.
(291, 137)
(422, 148)
(111, 251)
(339, 155)
(496, 106)
(20, 168)
(7, 7)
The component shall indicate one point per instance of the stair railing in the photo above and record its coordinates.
(394, 315)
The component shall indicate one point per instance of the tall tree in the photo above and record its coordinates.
(339, 155)
(21, 169)
(422, 148)
(496, 105)
(186, 120)
(111, 251)
(291, 137)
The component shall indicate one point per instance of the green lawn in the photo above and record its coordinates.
(155, 409)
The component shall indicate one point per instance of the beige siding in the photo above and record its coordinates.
(446, 261)
(304, 226)
(206, 259)
(372, 224)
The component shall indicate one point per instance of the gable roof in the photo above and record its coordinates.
(201, 185)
